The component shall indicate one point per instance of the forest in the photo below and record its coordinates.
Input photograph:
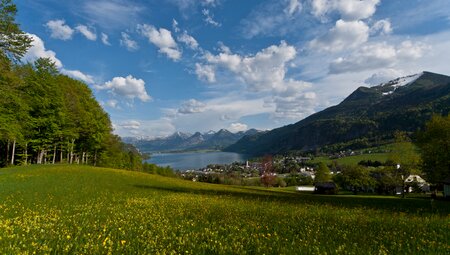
(47, 117)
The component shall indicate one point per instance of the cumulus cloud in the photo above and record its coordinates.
(209, 19)
(293, 7)
(188, 40)
(105, 39)
(192, 106)
(76, 74)
(205, 73)
(382, 27)
(237, 127)
(87, 32)
(349, 10)
(273, 18)
(344, 35)
(37, 50)
(59, 30)
(128, 87)
(111, 13)
(295, 106)
(128, 43)
(264, 71)
(382, 76)
(161, 38)
(112, 103)
(131, 124)
(378, 55)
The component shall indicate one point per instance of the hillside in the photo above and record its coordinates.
(65, 209)
(367, 117)
(187, 142)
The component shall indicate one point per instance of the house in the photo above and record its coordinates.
(328, 188)
(416, 180)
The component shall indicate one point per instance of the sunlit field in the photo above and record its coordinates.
(86, 210)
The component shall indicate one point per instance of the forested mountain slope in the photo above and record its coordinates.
(367, 117)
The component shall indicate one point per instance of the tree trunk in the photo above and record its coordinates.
(71, 151)
(13, 152)
(86, 160)
(26, 153)
(7, 152)
(45, 156)
(95, 158)
(68, 152)
(54, 154)
(40, 156)
(61, 154)
(82, 157)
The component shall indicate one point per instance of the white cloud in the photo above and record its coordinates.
(130, 44)
(209, 19)
(293, 7)
(105, 39)
(295, 106)
(188, 40)
(84, 30)
(192, 106)
(356, 9)
(161, 38)
(175, 26)
(76, 74)
(59, 30)
(205, 73)
(128, 87)
(382, 76)
(345, 35)
(273, 18)
(265, 71)
(112, 103)
(145, 128)
(350, 10)
(111, 13)
(37, 50)
(237, 127)
(378, 55)
(131, 124)
(382, 27)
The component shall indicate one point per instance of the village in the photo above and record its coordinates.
(305, 174)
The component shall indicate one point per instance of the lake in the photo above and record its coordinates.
(195, 160)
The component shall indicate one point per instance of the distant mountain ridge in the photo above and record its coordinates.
(367, 117)
(189, 142)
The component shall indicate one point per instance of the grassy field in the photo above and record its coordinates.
(353, 160)
(85, 210)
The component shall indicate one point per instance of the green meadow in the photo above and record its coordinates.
(85, 210)
(353, 160)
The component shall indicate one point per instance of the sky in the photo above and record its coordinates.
(161, 66)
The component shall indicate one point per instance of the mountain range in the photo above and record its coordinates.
(189, 142)
(368, 117)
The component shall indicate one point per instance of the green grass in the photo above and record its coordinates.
(353, 160)
(85, 210)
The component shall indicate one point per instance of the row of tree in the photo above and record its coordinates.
(47, 117)
(428, 156)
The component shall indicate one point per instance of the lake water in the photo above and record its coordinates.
(195, 160)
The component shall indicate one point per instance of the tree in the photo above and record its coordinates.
(14, 43)
(268, 177)
(323, 173)
(434, 146)
(356, 178)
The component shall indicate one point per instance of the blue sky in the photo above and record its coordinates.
(197, 65)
